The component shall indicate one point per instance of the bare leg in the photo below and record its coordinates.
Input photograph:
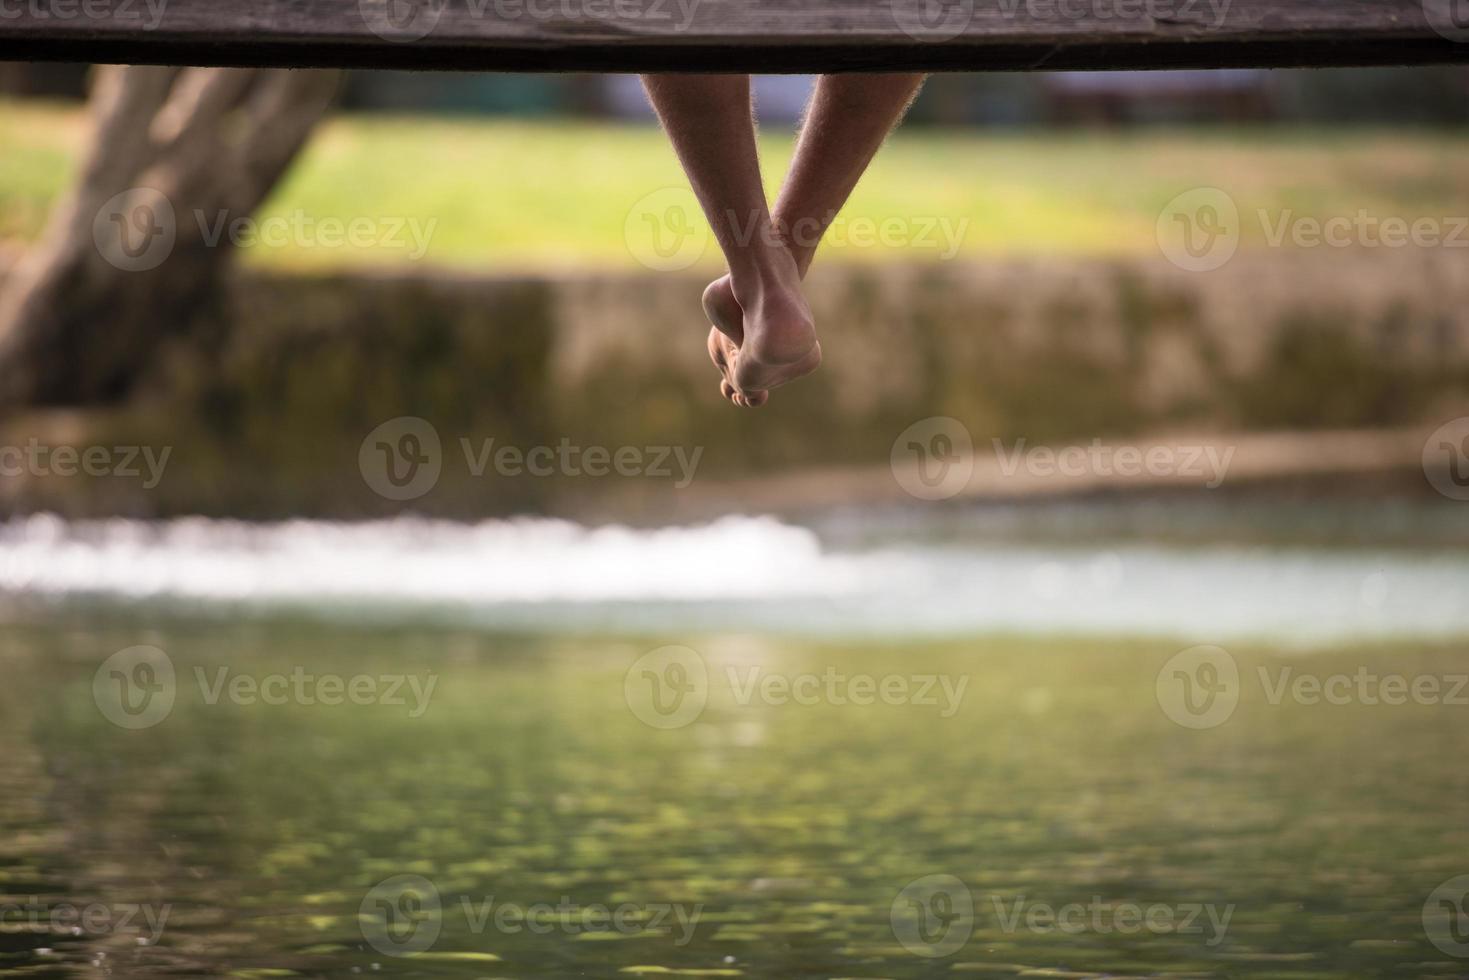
(846, 122)
(848, 119)
(708, 118)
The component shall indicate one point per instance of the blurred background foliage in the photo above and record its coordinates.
(1049, 315)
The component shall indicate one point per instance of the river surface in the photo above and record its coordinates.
(531, 749)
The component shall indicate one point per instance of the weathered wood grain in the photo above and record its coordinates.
(737, 35)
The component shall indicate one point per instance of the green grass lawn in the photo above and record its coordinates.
(513, 195)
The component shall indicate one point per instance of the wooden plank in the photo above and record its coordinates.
(737, 35)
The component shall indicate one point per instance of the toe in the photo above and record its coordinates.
(755, 399)
(716, 351)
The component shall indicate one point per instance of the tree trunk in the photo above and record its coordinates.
(127, 260)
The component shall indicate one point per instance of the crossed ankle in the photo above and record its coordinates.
(800, 236)
(769, 272)
(797, 239)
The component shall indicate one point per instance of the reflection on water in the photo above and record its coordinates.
(753, 574)
(784, 827)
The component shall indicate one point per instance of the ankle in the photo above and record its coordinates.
(800, 236)
(769, 273)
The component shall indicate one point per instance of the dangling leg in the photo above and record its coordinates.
(846, 122)
(708, 118)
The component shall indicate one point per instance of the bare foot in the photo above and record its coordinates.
(725, 339)
(763, 343)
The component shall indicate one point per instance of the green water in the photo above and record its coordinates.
(783, 834)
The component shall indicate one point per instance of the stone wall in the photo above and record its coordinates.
(269, 422)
